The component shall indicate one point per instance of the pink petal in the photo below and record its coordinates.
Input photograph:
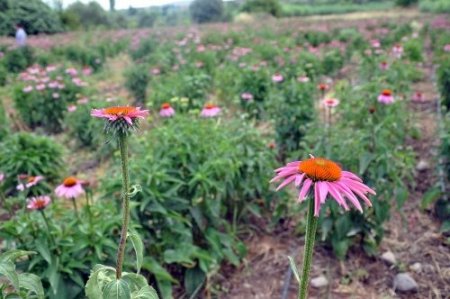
(316, 200)
(304, 191)
(286, 182)
(337, 196)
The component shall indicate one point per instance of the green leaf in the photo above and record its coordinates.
(8, 269)
(294, 268)
(138, 246)
(150, 264)
(193, 281)
(32, 283)
(117, 289)
(13, 255)
(364, 162)
(429, 197)
(134, 281)
(44, 251)
(99, 276)
(165, 288)
(146, 292)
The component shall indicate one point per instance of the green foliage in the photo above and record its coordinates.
(4, 123)
(294, 9)
(405, 3)
(332, 62)
(34, 15)
(271, 7)
(413, 50)
(199, 180)
(3, 75)
(137, 79)
(21, 285)
(27, 153)
(204, 11)
(67, 248)
(86, 57)
(145, 48)
(435, 6)
(443, 74)
(18, 59)
(86, 15)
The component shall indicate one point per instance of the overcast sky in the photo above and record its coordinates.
(122, 4)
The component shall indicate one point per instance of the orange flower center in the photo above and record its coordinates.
(210, 106)
(70, 181)
(323, 86)
(387, 92)
(119, 110)
(31, 179)
(39, 203)
(319, 169)
(165, 106)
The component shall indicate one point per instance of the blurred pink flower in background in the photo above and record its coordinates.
(384, 65)
(27, 181)
(166, 110)
(70, 188)
(55, 95)
(40, 87)
(72, 108)
(71, 71)
(397, 51)
(302, 79)
(2, 176)
(87, 71)
(386, 97)
(247, 96)
(210, 110)
(330, 103)
(277, 78)
(418, 97)
(447, 48)
(38, 202)
(28, 89)
(375, 43)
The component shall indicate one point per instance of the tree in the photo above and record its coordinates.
(203, 11)
(34, 15)
(88, 15)
(112, 5)
(272, 7)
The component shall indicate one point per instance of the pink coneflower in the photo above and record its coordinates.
(302, 79)
(330, 103)
(55, 95)
(38, 202)
(325, 177)
(128, 113)
(2, 176)
(247, 96)
(323, 87)
(50, 68)
(386, 97)
(384, 65)
(28, 89)
(71, 188)
(199, 64)
(397, 51)
(71, 71)
(375, 43)
(277, 78)
(72, 108)
(53, 84)
(447, 48)
(87, 71)
(418, 97)
(155, 71)
(28, 181)
(210, 110)
(83, 100)
(40, 87)
(166, 110)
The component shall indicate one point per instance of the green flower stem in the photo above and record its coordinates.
(74, 202)
(48, 227)
(88, 207)
(123, 145)
(311, 227)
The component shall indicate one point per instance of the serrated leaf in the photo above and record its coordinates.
(96, 280)
(117, 289)
(13, 255)
(135, 281)
(138, 246)
(294, 268)
(32, 283)
(8, 269)
(145, 293)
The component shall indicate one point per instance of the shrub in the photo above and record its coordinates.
(413, 50)
(204, 11)
(332, 62)
(19, 59)
(199, 180)
(84, 56)
(435, 6)
(145, 48)
(45, 104)
(443, 74)
(27, 153)
(137, 79)
(272, 7)
(86, 15)
(406, 2)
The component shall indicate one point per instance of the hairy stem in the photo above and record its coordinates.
(123, 145)
(311, 227)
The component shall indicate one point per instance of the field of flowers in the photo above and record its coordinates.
(191, 162)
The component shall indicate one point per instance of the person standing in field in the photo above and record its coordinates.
(21, 36)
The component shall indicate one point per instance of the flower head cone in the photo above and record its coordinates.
(210, 110)
(38, 202)
(28, 181)
(120, 119)
(70, 188)
(386, 97)
(324, 178)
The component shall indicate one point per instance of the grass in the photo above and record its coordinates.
(292, 10)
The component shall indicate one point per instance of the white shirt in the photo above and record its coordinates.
(21, 37)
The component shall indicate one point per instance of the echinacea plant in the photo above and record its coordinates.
(320, 178)
(108, 282)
